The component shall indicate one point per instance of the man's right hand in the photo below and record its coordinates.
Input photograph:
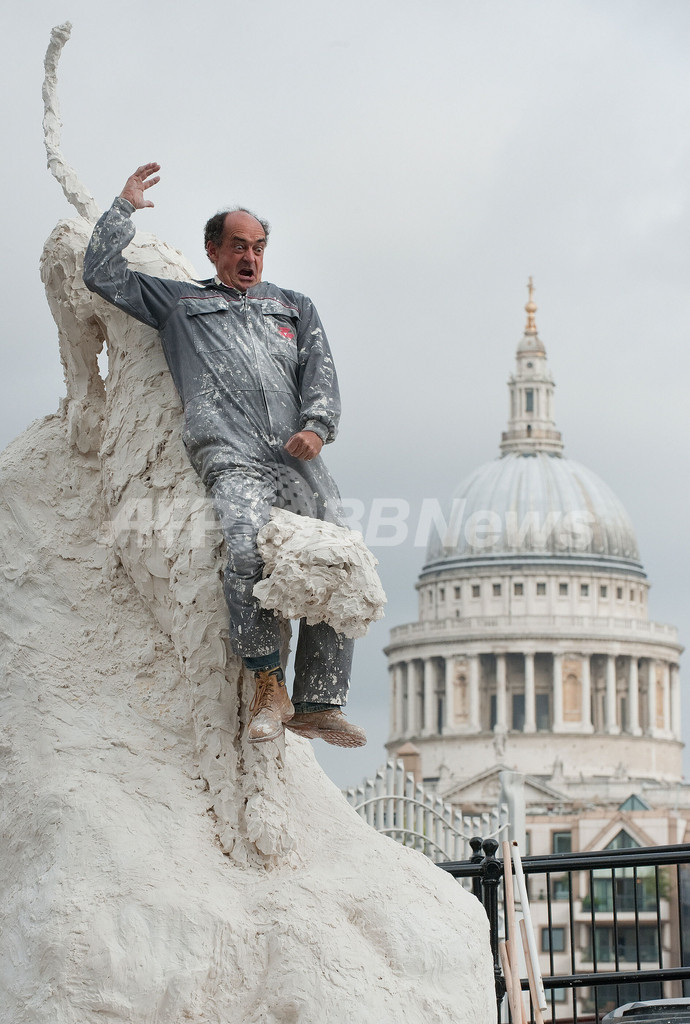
(137, 183)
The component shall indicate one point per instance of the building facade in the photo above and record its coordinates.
(533, 648)
(534, 653)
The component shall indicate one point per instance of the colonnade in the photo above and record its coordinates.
(529, 691)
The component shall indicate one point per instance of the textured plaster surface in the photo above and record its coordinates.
(154, 866)
(320, 572)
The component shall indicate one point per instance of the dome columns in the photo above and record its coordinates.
(557, 725)
(612, 726)
(421, 696)
(652, 698)
(527, 690)
(430, 701)
(663, 699)
(667, 698)
(633, 697)
(530, 724)
(586, 694)
(675, 703)
(415, 698)
(501, 724)
(398, 677)
(474, 695)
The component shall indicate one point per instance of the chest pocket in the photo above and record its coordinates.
(204, 304)
(205, 323)
(281, 324)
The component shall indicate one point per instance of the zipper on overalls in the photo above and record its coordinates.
(245, 309)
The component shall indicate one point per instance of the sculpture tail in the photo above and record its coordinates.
(75, 192)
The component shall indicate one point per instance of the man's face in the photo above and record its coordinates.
(239, 259)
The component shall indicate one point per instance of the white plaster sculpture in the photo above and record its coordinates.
(320, 572)
(154, 867)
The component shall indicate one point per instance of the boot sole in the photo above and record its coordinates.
(340, 739)
(332, 736)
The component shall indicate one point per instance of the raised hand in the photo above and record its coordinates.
(137, 183)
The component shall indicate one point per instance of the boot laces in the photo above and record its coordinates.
(263, 695)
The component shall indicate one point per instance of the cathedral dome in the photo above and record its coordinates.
(531, 505)
(535, 507)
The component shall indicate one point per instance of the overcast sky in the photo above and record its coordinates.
(417, 161)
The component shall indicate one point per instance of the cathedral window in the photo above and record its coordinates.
(518, 712)
(456, 593)
(619, 593)
(603, 590)
(475, 590)
(442, 593)
(497, 589)
(529, 400)
(563, 589)
(584, 590)
(439, 714)
(518, 589)
(543, 712)
(541, 589)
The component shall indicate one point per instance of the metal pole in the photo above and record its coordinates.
(492, 872)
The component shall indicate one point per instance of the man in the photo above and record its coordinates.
(255, 374)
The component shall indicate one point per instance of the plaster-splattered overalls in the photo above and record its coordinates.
(251, 369)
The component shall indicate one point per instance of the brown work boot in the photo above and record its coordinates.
(271, 706)
(331, 726)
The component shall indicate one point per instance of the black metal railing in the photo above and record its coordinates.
(613, 926)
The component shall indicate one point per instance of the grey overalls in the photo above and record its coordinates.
(251, 369)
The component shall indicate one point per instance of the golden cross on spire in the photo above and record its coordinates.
(531, 309)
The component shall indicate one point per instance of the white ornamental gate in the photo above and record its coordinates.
(395, 805)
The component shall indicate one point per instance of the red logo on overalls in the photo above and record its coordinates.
(286, 333)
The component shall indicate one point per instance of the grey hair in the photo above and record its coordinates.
(213, 230)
